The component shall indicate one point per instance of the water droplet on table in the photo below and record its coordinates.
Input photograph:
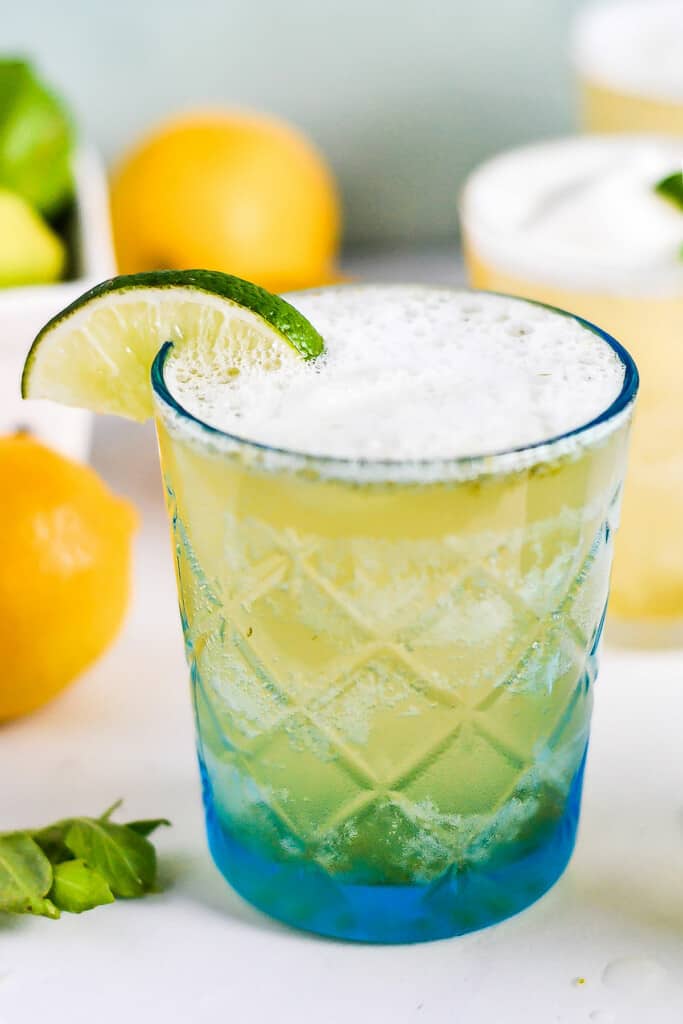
(633, 975)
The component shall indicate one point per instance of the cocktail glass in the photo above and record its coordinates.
(392, 667)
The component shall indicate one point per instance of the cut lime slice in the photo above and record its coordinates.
(97, 353)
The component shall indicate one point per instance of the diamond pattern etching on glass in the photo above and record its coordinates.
(383, 687)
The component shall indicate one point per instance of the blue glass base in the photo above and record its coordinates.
(302, 894)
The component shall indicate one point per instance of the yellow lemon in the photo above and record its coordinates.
(64, 572)
(238, 192)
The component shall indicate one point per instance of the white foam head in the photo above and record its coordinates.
(581, 212)
(414, 373)
(633, 46)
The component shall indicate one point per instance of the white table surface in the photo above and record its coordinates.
(197, 953)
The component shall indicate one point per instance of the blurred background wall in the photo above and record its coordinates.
(404, 96)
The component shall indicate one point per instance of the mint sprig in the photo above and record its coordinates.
(671, 188)
(76, 864)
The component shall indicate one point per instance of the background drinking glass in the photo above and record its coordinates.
(506, 251)
(628, 56)
(392, 681)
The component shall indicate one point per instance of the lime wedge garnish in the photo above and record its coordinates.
(97, 353)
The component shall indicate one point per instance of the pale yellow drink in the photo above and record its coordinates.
(607, 110)
(628, 57)
(541, 222)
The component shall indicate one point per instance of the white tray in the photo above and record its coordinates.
(24, 310)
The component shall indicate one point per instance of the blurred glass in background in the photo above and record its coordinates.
(594, 224)
(629, 58)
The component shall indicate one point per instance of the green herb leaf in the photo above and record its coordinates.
(671, 188)
(77, 887)
(125, 859)
(25, 877)
(51, 840)
(76, 864)
(147, 826)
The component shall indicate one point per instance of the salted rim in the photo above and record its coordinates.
(416, 471)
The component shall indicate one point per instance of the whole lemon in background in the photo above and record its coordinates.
(64, 572)
(238, 192)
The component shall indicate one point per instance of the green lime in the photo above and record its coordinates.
(97, 353)
(35, 139)
(30, 251)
